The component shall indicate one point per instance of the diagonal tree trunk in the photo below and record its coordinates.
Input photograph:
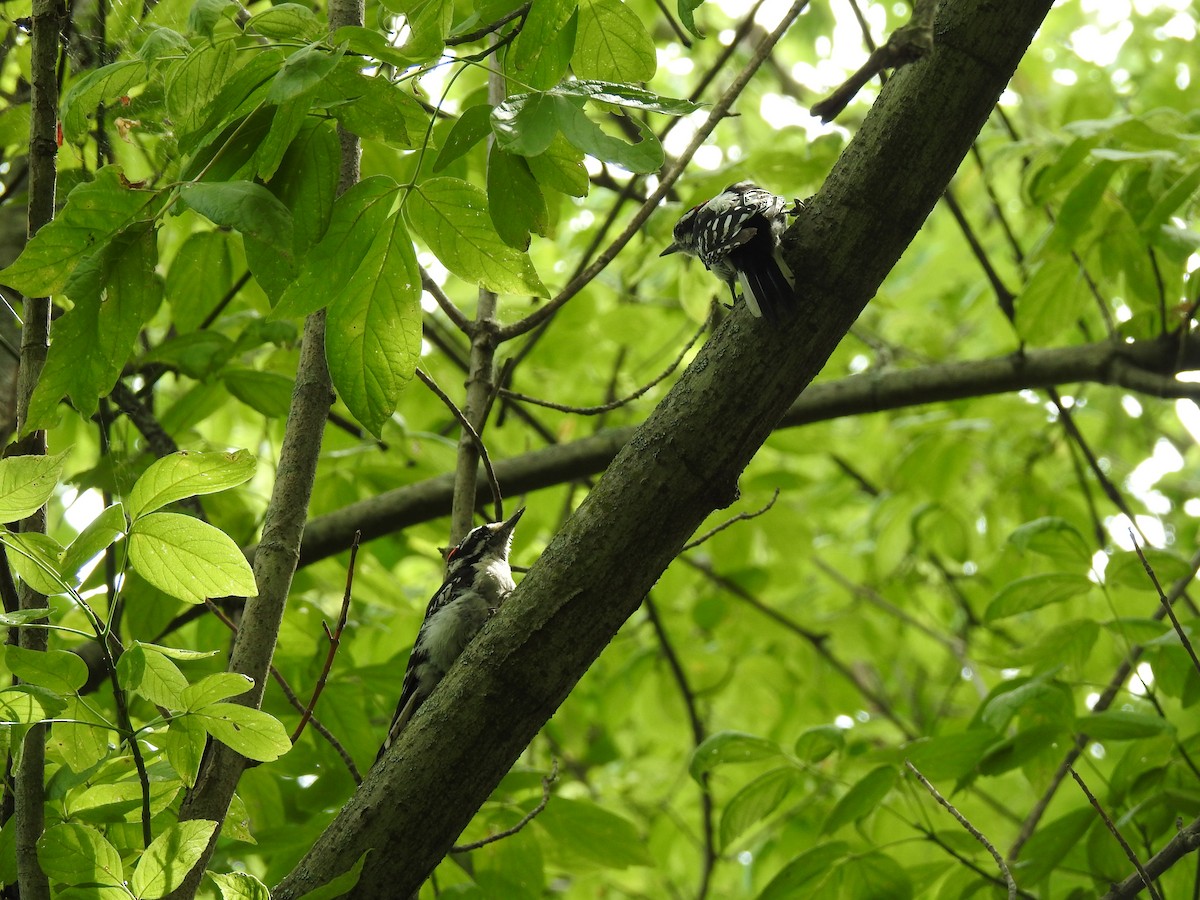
(682, 463)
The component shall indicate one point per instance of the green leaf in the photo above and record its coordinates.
(369, 44)
(251, 732)
(1077, 214)
(20, 617)
(542, 51)
(561, 168)
(1121, 725)
(27, 482)
(303, 71)
(1048, 700)
(245, 207)
(116, 292)
(730, 748)
(875, 875)
(200, 275)
(374, 107)
(194, 84)
(1052, 301)
(815, 744)
(612, 44)
(95, 211)
(169, 858)
(265, 392)
(471, 127)
(184, 742)
(373, 333)
(755, 802)
(451, 217)
(1034, 592)
(527, 123)
(1027, 744)
(36, 558)
(1070, 643)
(950, 755)
(240, 886)
(59, 670)
(188, 559)
(428, 23)
(1181, 192)
(78, 854)
(862, 799)
(626, 95)
(147, 672)
(590, 834)
(104, 85)
(97, 537)
(205, 14)
(188, 474)
(515, 200)
(285, 21)
(644, 156)
(1126, 569)
(797, 878)
(1053, 537)
(1045, 850)
(24, 705)
(214, 688)
(358, 215)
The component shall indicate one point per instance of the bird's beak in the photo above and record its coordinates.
(674, 248)
(511, 522)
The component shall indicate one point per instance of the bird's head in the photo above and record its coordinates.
(483, 544)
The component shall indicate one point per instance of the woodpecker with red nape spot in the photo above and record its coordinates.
(478, 579)
(736, 235)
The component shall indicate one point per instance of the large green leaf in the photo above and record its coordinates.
(1033, 592)
(78, 854)
(188, 559)
(862, 799)
(246, 207)
(730, 747)
(188, 474)
(94, 213)
(515, 200)
(591, 835)
(251, 732)
(103, 85)
(170, 857)
(797, 877)
(26, 483)
(59, 670)
(373, 331)
(147, 672)
(542, 51)
(116, 291)
(451, 217)
(612, 44)
(358, 215)
(754, 802)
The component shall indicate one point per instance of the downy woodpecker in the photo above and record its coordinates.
(478, 579)
(736, 235)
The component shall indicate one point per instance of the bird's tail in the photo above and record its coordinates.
(767, 285)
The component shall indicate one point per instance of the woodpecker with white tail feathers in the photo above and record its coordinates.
(736, 235)
(478, 579)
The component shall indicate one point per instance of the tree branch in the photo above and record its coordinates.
(1105, 362)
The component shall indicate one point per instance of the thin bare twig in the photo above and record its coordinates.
(1166, 604)
(485, 30)
(971, 829)
(453, 313)
(907, 44)
(740, 517)
(335, 640)
(615, 404)
(547, 781)
(479, 445)
(1108, 822)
